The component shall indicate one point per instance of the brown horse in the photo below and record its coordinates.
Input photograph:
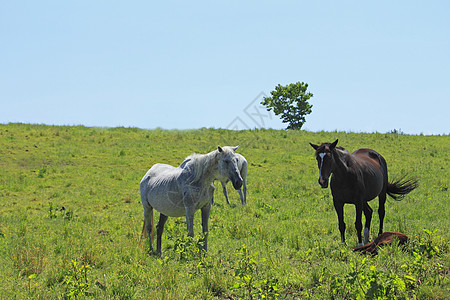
(383, 239)
(358, 178)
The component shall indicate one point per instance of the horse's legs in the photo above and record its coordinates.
(368, 214)
(339, 207)
(205, 219)
(358, 222)
(190, 210)
(381, 210)
(159, 232)
(224, 188)
(245, 191)
(242, 197)
(148, 224)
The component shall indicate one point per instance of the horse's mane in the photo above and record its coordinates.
(353, 164)
(199, 164)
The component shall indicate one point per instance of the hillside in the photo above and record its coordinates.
(71, 218)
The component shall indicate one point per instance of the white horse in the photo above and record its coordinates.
(242, 167)
(175, 192)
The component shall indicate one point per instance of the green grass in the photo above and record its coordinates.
(71, 218)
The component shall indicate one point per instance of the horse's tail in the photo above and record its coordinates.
(144, 232)
(399, 188)
(148, 211)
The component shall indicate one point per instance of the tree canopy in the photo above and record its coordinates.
(291, 102)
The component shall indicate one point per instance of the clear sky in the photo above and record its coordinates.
(372, 66)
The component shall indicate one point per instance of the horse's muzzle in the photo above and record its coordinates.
(323, 182)
(237, 184)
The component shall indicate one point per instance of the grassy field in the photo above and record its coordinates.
(71, 219)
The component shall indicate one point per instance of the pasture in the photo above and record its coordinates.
(71, 219)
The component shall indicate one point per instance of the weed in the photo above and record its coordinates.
(368, 281)
(31, 282)
(187, 248)
(249, 278)
(66, 214)
(423, 250)
(54, 211)
(41, 172)
(77, 281)
(426, 246)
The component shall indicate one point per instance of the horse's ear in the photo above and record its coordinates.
(235, 148)
(314, 146)
(333, 145)
(220, 149)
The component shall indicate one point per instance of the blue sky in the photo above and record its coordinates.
(372, 67)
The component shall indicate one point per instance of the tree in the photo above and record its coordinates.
(291, 102)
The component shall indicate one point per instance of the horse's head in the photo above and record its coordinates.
(325, 161)
(228, 165)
